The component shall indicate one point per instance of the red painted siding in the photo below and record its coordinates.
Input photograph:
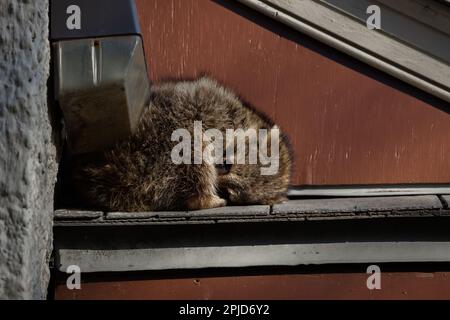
(348, 123)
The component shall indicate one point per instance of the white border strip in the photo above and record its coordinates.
(248, 256)
(367, 191)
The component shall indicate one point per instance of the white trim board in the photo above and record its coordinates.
(369, 191)
(251, 256)
(421, 63)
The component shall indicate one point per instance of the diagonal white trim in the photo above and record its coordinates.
(346, 34)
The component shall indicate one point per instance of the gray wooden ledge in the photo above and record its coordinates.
(210, 213)
(299, 232)
(359, 205)
(446, 201)
(77, 215)
(295, 210)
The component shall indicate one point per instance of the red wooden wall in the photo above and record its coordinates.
(315, 284)
(348, 123)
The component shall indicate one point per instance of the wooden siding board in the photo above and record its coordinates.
(306, 283)
(348, 123)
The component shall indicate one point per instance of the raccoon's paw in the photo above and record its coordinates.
(205, 202)
(276, 200)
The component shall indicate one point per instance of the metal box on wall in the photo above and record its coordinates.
(101, 74)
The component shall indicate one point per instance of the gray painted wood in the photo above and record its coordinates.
(246, 256)
(329, 25)
(446, 199)
(358, 205)
(236, 210)
(368, 191)
(357, 33)
(430, 13)
(293, 210)
(142, 215)
(400, 26)
(76, 214)
(224, 211)
(159, 247)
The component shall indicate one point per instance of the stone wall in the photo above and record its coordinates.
(27, 152)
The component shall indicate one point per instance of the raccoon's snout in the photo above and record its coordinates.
(223, 169)
(224, 194)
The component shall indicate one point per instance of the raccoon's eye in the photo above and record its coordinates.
(223, 169)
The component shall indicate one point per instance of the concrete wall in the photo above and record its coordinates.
(27, 153)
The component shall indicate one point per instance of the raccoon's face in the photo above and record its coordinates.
(245, 185)
(263, 180)
(234, 184)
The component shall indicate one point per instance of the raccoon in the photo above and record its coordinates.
(139, 174)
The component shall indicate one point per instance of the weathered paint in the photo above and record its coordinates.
(348, 123)
(316, 285)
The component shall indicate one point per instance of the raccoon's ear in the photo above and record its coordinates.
(224, 168)
(266, 138)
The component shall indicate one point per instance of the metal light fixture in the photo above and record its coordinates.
(101, 76)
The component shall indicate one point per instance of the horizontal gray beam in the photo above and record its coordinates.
(248, 256)
(446, 200)
(165, 247)
(65, 214)
(298, 210)
(369, 191)
(216, 212)
(358, 205)
(338, 230)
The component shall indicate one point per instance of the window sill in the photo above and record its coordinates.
(313, 231)
(293, 210)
